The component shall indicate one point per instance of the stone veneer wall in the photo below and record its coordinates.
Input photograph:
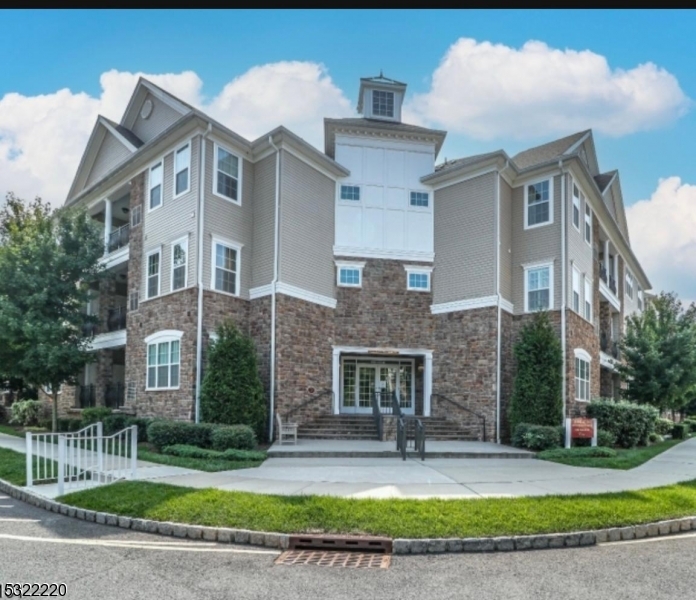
(260, 332)
(580, 334)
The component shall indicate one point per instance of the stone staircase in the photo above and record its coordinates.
(362, 427)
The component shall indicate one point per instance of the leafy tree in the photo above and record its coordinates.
(659, 351)
(231, 392)
(537, 396)
(47, 261)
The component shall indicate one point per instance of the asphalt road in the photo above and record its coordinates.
(95, 561)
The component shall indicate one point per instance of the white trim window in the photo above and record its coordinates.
(576, 207)
(227, 177)
(155, 189)
(179, 264)
(419, 199)
(629, 284)
(182, 170)
(588, 299)
(576, 290)
(418, 278)
(349, 274)
(350, 193)
(382, 104)
(538, 287)
(163, 360)
(154, 270)
(588, 223)
(538, 204)
(639, 296)
(582, 375)
(226, 267)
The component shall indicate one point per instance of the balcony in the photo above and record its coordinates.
(114, 395)
(85, 396)
(607, 286)
(118, 238)
(116, 319)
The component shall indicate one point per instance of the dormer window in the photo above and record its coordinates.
(383, 104)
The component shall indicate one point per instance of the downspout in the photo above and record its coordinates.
(199, 269)
(563, 284)
(497, 292)
(276, 238)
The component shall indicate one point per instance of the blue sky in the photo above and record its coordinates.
(529, 96)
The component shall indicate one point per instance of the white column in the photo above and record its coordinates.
(606, 256)
(427, 383)
(336, 368)
(107, 222)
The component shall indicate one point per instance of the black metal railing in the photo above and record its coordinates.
(118, 238)
(85, 396)
(410, 434)
(603, 273)
(90, 329)
(481, 418)
(116, 319)
(616, 350)
(612, 283)
(377, 416)
(309, 400)
(114, 395)
(609, 345)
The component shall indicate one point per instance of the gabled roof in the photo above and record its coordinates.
(549, 151)
(379, 127)
(604, 179)
(379, 81)
(142, 88)
(382, 79)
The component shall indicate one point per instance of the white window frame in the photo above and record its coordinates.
(350, 202)
(188, 166)
(526, 203)
(343, 264)
(587, 298)
(157, 250)
(577, 204)
(628, 277)
(576, 291)
(161, 337)
(584, 356)
(532, 267)
(184, 242)
(154, 165)
(240, 169)
(372, 107)
(413, 270)
(420, 208)
(233, 246)
(587, 223)
(640, 298)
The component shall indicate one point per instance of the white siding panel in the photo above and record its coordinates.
(352, 158)
(374, 165)
(395, 198)
(395, 168)
(348, 224)
(373, 227)
(394, 229)
(373, 196)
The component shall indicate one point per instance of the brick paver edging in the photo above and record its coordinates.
(400, 546)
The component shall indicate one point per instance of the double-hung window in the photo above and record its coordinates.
(155, 192)
(154, 263)
(588, 299)
(582, 376)
(576, 290)
(576, 207)
(588, 223)
(226, 175)
(182, 170)
(179, 264)
(538, 287)
(163, 360)
(538, 204)
(226, 267)
(629, 284)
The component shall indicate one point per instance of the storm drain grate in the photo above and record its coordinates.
(331, 558)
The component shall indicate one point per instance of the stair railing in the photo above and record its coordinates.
(377, 416)
(481, 418)
(309, 400)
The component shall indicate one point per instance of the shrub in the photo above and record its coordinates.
(537, 395)
(94, 415)
(655, 438)
(691, 423)
(239, 437)
(186, 451)
(536, 437)
(605, 439)
(114, 422)
(630, 423)
(68, 424)
(142, 423)
(680, 431)
(663, 426)
(171, 433)
(231, 393)
(27, 412)
(586, 452)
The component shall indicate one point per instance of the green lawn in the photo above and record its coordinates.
(625, 459)
(146, 453)
(9, 430)
(13, 466)
(392, 517)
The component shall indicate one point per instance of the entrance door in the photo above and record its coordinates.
(362, 380)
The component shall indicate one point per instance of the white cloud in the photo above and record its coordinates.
(42, 137)
(489, 90)
(663, 236)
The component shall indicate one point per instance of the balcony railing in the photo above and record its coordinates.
(116, 319)
(606, 278)
(609, 345)
(114, 395)
(85, 396)
(118, 238)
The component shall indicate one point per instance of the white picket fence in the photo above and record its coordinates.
(83, 458)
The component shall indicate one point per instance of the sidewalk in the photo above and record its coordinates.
(441, 477)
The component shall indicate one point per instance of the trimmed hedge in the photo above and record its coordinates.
(239, 437)
(655, 438)
(680, 431)
(186, 451)
(142, 424)
(605, 439)
(94, 415)
(663, 426)
(631, 423)
(171, 433)
(68, 425)
(537, 437)
(586, 452)
(114, 423)
(691, 423)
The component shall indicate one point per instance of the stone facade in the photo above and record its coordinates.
(580, 334)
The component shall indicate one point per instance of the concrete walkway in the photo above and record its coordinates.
(440, 477)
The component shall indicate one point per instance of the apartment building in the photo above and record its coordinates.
(368, 270)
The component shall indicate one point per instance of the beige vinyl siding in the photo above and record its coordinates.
(306, 227)
(579, 251)
(535, 245)
(174, 219)
(465, 239)
(111, 153)
(630, 305)
(505, 240)
(229, 221)
(264, 221)
(610, 201)
(162, 116)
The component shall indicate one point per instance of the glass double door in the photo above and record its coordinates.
(363, 380)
